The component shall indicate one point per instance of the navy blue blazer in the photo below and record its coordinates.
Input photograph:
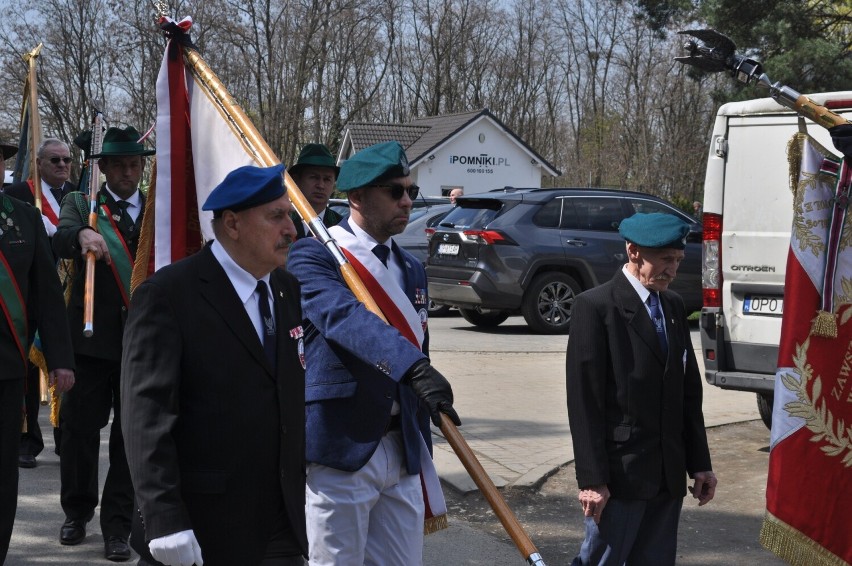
(354, 363)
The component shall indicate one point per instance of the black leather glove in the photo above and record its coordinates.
(434, 389)
(842, 137)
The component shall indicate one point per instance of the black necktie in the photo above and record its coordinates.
(382, 252)
(123, 216)
(657, 319)
(267, 323)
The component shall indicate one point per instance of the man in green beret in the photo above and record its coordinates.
(86, 410)
(634, 402)
(369, 387)
(315, 173)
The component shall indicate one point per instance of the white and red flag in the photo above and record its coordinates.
(808, 497)
(196, 148)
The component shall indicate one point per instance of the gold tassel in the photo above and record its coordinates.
(435, 524)
(824, 325)
(55, 402)
(793, 546)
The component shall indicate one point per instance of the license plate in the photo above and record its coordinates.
(448, 249)
(761, 304)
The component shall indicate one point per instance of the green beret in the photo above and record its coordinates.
(314, 155)
(655, 230)
(246, 187)
(123, 142)
(372, 165)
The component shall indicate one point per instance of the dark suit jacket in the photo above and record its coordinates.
(214, 439)
(635, 415)
(110, 312)
(21, 191)
(28, 254)
(330, 219)
(355, 363)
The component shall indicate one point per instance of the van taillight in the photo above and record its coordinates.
(429, 233)
(711, 269)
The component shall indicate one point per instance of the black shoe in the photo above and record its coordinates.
(73, 532)
(116, 549)
(26, 461)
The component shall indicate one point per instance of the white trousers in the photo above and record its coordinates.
(372, 517)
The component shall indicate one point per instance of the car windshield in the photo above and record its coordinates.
(472, 214)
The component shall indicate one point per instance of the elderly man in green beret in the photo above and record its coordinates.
(86, 409)
(634, 402)
(369, 387)
(315, 172)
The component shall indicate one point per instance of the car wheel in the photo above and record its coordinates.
(437, 309)
(548, 301)
(484, 317)
(764, 407)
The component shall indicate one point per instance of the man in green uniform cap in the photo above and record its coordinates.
(86, 409)
(634, 402)
(315, 172)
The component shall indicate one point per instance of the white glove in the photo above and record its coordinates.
(177, 549)
(48, 226)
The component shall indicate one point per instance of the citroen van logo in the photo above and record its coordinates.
(446, 237)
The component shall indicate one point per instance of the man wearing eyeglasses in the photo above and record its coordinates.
(370, 389)
(53, 162)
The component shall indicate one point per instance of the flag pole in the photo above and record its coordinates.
(35, 141)
(245, 129)
(35, 121)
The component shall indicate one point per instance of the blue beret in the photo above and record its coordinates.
(655, 230)
(372, 165)
(246, 187)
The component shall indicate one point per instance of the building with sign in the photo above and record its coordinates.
(472, 150)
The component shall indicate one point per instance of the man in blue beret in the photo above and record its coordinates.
(315, 172)
(213, 387)
(634, 402)
(370, 389)
(85, 410)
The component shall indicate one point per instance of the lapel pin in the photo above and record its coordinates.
(281, 294)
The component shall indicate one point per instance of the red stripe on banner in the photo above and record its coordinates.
(387, 306)
(183, 185)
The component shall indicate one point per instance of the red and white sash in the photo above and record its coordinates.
(49, 206)
(395, 298)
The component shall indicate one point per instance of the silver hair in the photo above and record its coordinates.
(42, 147)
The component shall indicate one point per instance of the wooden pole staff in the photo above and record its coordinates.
(34, 143)
(244, 128)
(94, 184)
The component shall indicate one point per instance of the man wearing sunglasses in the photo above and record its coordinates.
(53, 162)
(370, 389)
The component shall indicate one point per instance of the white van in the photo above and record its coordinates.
(747, 220)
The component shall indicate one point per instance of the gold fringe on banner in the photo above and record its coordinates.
(435, 524)
(55, 403)
(793, 546)
(146, 235)
(824, 325)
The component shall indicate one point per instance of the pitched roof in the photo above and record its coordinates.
(422, 136)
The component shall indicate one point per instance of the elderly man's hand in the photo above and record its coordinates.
(62, 378)
(91, 241)
(594, 499)
(704, 488)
